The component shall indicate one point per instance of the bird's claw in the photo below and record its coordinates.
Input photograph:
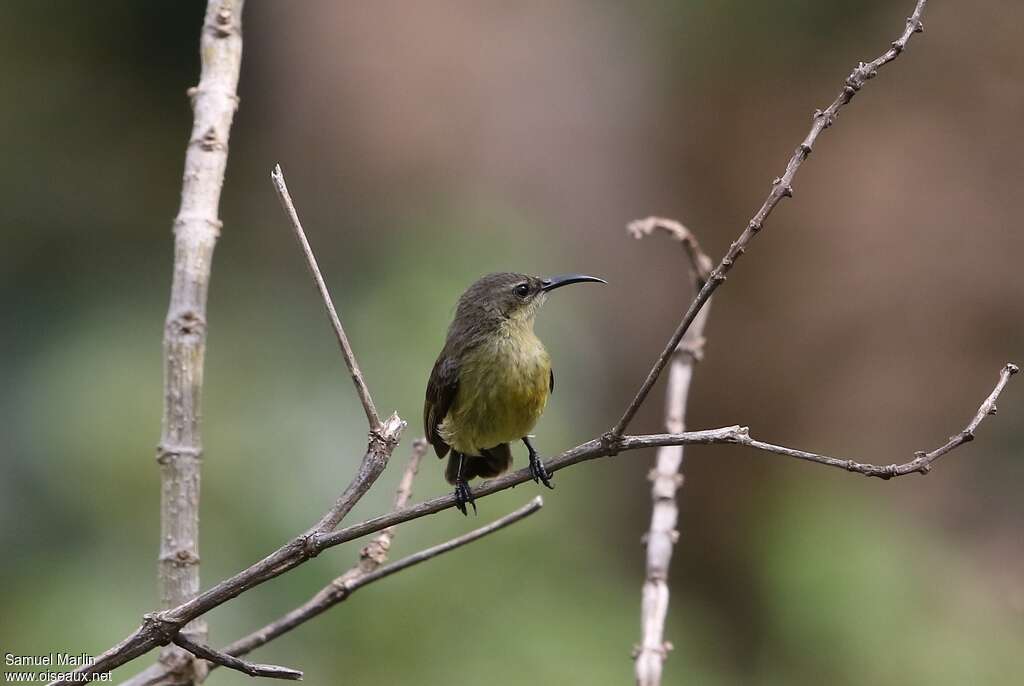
(464, 495)
(539, 471)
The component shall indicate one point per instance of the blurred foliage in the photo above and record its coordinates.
(428, 144)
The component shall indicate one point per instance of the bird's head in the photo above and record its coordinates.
(507, 296)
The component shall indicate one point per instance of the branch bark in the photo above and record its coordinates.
(195, 230)
(782, 187)
(666, 477)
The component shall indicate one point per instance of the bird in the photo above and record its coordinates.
(492, 379)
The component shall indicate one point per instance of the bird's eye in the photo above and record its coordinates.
(522, 290)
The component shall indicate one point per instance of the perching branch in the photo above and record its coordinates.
(666, 478)
(277, 176)
(195, 233)
(782, 187)
(599, 447)
(158, 628)
(225, 660)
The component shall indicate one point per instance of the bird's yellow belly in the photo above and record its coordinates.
(503, 389)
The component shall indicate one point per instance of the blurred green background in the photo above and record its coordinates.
(428, 143)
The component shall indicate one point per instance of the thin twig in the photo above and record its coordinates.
(922, 462)
(157, 628)
(343, 587)
(231, 662)
(782, 187)
(383, 437)
(196, 228)
(277, 176)
(666, 478)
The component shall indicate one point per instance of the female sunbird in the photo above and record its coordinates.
(492, 379)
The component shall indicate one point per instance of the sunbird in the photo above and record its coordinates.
(492, 379)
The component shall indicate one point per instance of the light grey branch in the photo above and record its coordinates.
(666, 477)
(158, 628)
(195, 233)
(782, 187)
(277, 176)
(231, 662)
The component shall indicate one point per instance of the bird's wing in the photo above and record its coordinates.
(441, 390)
(551, 381)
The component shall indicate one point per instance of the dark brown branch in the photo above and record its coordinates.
(158, 628)
(277, 176)
(782, 187)
(225, 660)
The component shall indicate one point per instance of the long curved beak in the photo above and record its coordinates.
(553, 282)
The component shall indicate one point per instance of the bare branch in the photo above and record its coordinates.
(922, 462)
(782, 187)
(158, 628)
(277, 176)
(666, 478)
(225, 660)
(380, 446)
(344, 586)
(196, 228)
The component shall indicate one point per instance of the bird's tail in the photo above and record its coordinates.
(491, 462)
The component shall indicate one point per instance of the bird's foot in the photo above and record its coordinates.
(464, 495)
(539, 471)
